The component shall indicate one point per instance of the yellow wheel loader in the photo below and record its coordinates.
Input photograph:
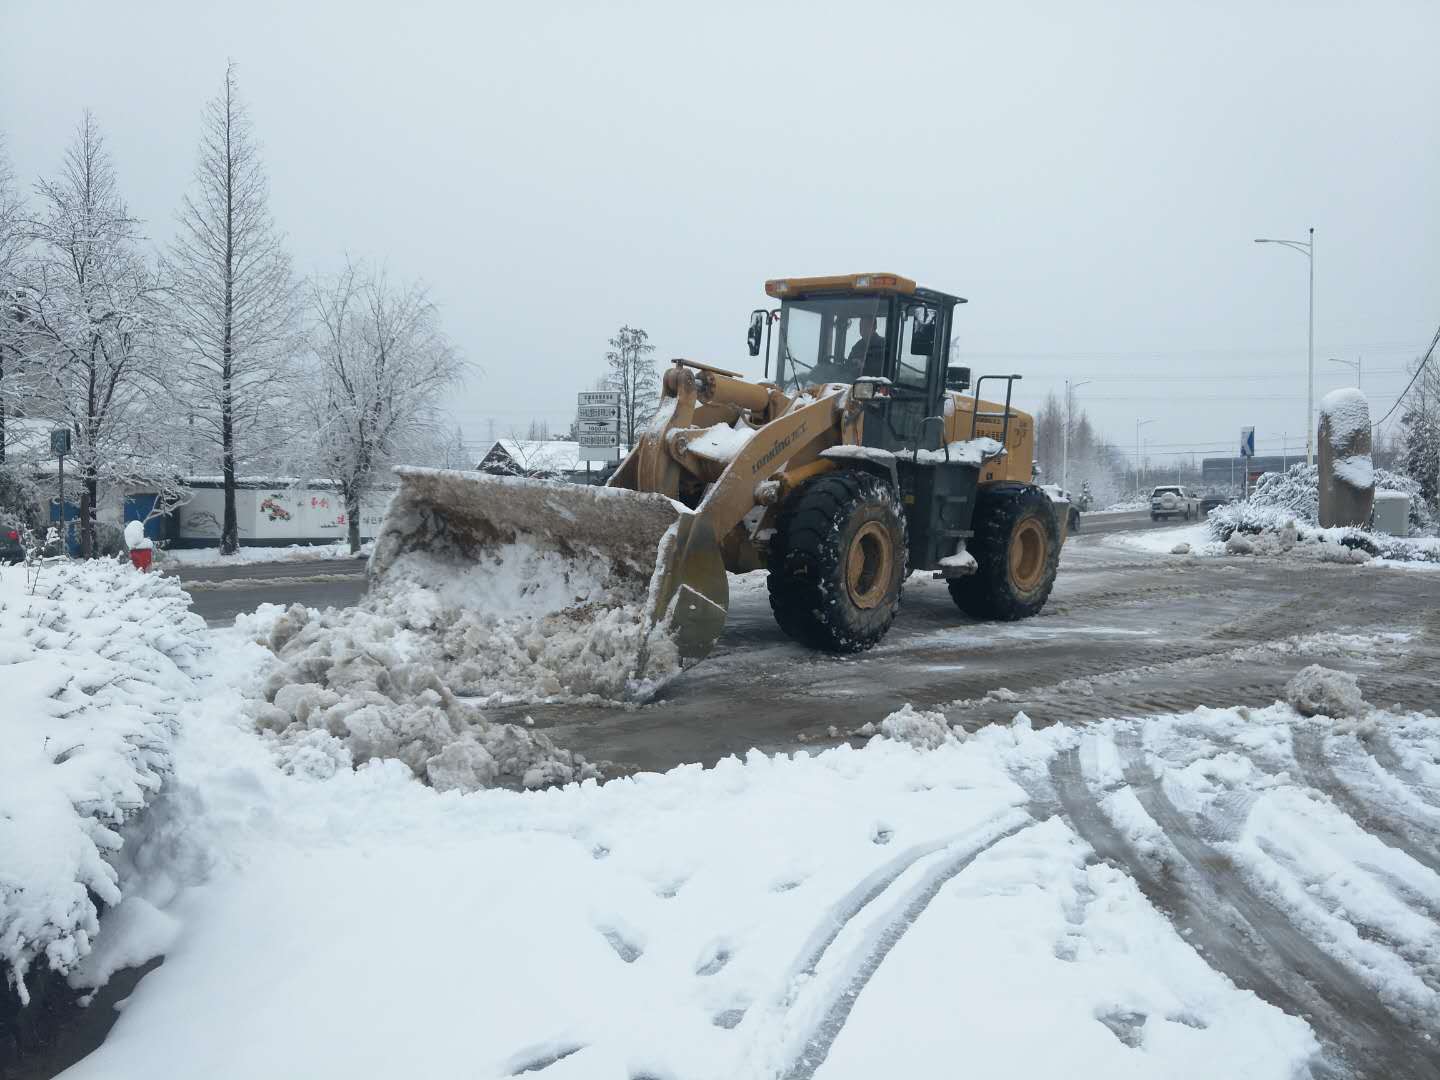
(861, 461)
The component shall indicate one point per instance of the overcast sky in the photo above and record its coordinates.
(1090, 176)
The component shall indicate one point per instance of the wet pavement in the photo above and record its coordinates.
(1124, 634)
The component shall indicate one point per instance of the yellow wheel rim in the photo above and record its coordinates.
(869, 565)
(1027, 554)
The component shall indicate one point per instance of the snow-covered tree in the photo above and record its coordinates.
(632, 372)
(234, 302)
(91, 323)
(382, 365)
(1419, 435)
(12, 241)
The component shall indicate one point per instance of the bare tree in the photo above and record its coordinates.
(632, 372)
(90, 330)
(382, 364)
(457, 453)
(235, 303)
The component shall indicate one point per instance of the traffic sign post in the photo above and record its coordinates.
(597, 425)
(1247, 451)
(60, 446)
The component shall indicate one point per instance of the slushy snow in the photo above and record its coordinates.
(405, 673)
(1320, 691)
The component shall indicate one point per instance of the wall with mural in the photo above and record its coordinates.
(276, 515)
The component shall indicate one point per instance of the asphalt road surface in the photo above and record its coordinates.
(221, 593)
(1123, 635)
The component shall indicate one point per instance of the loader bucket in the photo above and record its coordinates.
(653, 556)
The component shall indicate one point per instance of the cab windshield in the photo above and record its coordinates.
(831, 341)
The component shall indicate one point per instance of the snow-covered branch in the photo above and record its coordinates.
(382, 364)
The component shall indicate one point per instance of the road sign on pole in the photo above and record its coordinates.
(1247, 442)
(597, 425)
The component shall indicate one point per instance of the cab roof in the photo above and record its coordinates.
(796, 288)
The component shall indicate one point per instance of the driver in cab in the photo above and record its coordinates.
(866, 357)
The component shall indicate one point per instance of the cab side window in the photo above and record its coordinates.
(919, 327)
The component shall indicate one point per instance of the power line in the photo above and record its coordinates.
(1143, 377)
(1428, 353)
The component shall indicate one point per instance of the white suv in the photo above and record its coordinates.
(1173, 502)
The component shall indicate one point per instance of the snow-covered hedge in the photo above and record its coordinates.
(97, 666)
(1293, 496)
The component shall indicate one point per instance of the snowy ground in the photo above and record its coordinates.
(1220, 893)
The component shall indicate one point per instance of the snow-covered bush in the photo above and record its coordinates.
(97, 666)
(1293, 496)
(20, 499)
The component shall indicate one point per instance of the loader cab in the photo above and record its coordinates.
(862, 327)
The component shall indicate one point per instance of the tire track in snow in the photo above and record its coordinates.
(1193, 908)
(1344, 1011)
(849, 984)
(1316, 771)
(1384, 752)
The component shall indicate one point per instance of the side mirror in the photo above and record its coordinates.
(922, 337)
(756, 331)
(922, 341)
(957, 378)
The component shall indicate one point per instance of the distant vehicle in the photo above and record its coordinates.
(1210, 502)
(1173, 502)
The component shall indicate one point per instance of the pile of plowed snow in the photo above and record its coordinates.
(405, 673)
(98, 666)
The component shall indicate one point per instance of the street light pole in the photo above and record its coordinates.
(1350, 363)
(1306, 248)
(1070, 388)
(1138, 425)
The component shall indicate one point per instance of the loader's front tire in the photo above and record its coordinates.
(837, 562)
(1017, 547)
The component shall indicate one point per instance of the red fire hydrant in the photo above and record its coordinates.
(141, 548)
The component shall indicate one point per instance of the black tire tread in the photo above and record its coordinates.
(803, 556)
(986, 594)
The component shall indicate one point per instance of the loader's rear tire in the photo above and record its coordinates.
(837, 562)
(1017, 547)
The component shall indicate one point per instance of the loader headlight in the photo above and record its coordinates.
(870, 387)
